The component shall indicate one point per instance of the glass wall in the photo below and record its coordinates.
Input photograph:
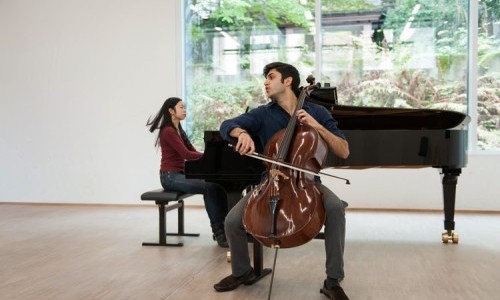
(488, 81)
(391, 53)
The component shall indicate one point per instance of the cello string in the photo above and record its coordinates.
(290, 128)
(272, 274)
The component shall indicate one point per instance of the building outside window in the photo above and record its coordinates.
(384, 53)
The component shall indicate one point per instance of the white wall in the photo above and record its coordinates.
(78, 80)
(477, 187)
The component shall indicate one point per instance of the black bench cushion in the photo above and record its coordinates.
(162, 195)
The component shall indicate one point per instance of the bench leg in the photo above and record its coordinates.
(162, 211)
(163, 229)
(180, 222)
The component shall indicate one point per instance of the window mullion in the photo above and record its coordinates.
(472, 72)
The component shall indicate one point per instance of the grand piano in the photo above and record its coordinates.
(377, 136)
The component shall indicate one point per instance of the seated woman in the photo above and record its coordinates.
(175, 150)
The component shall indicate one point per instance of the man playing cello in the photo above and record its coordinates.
(282, 87)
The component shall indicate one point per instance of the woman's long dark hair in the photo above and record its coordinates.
(164, 119)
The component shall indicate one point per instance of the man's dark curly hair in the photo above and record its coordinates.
(286, 71)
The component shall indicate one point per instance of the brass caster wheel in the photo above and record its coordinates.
(449, 236)
(228, 256)
(444, 237)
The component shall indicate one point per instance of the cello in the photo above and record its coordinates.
(286, 210)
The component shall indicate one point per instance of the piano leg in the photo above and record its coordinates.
(450, 177)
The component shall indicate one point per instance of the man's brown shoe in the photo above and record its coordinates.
(231, 282)
(335, 293)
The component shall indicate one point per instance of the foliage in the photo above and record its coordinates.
(401, 85)
(489, 111)
(213, 102)
(431, 13)
(490, 8)
(406, 88)
(242, 18)
(230, 15)
(451, 49)
(416, 89)
(238, 14)
(342, 6)
(488, 51)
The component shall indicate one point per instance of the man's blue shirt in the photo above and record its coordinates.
(264, 121)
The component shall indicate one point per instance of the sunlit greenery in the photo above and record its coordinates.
(213, 98)
(213, 102)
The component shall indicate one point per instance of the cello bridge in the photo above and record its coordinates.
(275, 173)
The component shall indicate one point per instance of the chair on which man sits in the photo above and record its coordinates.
(163, 198)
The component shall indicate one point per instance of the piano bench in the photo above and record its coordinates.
(163, 198)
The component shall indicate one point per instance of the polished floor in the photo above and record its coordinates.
(95, 252)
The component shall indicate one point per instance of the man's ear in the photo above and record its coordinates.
(288, 81)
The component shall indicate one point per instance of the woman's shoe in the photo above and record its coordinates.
(220, 235)
(221, 240)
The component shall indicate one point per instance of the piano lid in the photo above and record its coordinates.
(373, 118)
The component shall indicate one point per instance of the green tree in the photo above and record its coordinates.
(342, 6)
(240, 18)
